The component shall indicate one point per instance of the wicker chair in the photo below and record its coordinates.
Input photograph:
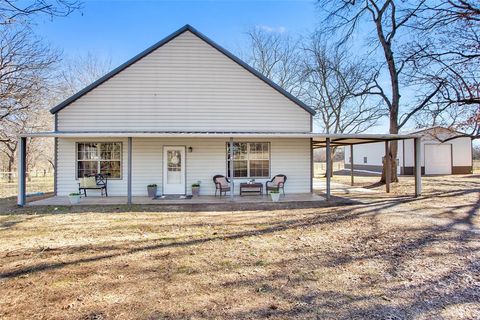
(277, 183)
(222, 184)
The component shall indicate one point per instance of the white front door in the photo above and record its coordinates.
(174, 170)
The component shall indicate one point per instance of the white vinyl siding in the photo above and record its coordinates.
(461, 149)
(208, 158)
(67, 181)
(185, 85)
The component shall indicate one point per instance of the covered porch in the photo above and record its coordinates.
(314, 140)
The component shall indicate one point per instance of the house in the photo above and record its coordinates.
(178, 114)
(186, 88)
(444, 151)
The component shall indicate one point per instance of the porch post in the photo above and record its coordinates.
(351, 165)
(129, 177)
(21, 171)
(418, 167)
(329, 165)
(232, 184)
(388, 170)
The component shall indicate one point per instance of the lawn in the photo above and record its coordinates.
(35, 184)
(386, 257)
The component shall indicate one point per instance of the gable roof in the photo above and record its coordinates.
(166, 40)
(432, 128)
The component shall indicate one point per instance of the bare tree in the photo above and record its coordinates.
(25, 69)
(276, 56)
(14, 11)
(78, 72)
(334, 86)
(449, 52)
(39, 149)
(392, 21)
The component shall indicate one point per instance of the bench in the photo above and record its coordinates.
(94, 182)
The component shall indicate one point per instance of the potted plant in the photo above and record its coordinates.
(152, 190)
(196, 189)
(74, 197)
(275, 194)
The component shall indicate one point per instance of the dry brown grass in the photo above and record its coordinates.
(383, 258)
(34, 184)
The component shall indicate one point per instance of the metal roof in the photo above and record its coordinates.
(166, 40)
(318, 139)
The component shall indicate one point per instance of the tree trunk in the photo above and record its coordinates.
(332, 155)
(10, 168)
(393, 151)
(395, 100)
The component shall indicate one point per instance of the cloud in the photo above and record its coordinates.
(279, 29)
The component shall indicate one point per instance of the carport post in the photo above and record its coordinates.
(329, 165)
(388, 169)
(232, 188)
(351, 165)
(22, 166)
(129, 177)
(418, 166)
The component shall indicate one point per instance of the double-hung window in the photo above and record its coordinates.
(99, 157)
(250, 159)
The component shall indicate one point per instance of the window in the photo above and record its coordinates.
(364, 159)
(99, 157)
(250, 159)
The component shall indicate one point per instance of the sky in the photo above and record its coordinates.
(119, 29)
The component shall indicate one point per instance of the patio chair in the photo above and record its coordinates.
(222, 184)
(93, 182)
(277, 183)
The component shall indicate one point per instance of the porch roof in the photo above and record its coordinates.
(318, 139)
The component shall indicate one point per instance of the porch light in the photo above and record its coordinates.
(190, 149)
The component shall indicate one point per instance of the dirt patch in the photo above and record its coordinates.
(389, 257)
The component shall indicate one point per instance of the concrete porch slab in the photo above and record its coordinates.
(63, 200)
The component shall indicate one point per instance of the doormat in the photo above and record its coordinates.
(173, 197)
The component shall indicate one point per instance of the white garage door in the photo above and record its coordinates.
(438, 159)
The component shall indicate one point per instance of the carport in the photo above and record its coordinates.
(328, 141)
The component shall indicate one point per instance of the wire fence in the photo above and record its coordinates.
(320, 168)
(37, 182)
(476, 166)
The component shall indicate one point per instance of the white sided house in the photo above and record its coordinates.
(444, 151)
(174, 99)
(178, 114)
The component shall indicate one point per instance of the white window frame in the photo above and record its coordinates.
(248, 160)
(99, 160)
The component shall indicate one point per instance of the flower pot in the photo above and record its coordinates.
(74, 199)
(275, 196)
(195, 191)
(152, 192)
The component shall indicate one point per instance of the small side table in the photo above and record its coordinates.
(251, 188)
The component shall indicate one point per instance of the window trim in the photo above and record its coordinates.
(248, 161)
(121, 157)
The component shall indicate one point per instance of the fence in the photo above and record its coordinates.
(320, 168)
(37, 181)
